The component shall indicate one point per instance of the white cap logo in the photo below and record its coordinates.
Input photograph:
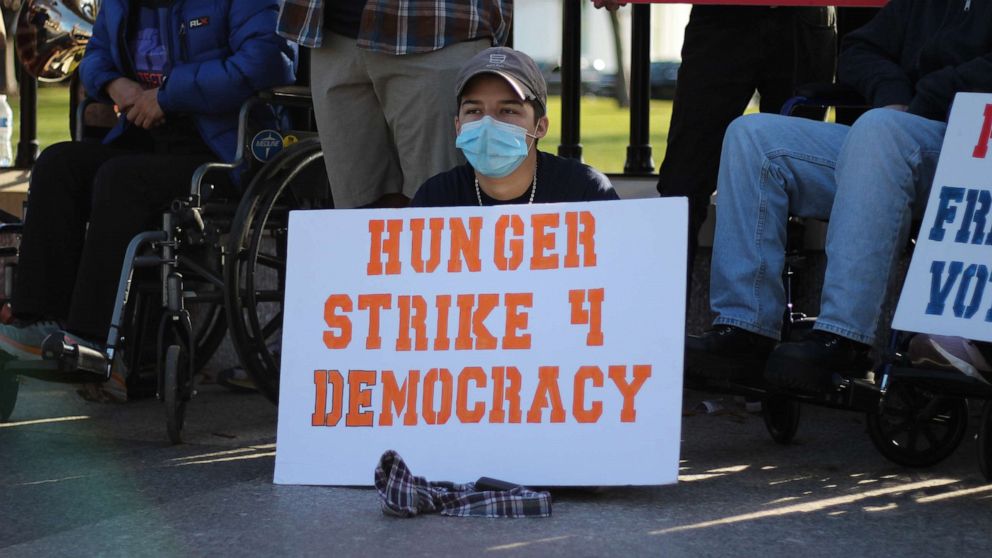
(497, 58)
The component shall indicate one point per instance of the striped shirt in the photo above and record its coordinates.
(404, 26)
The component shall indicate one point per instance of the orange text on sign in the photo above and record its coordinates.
(474, 395)
(468, 331)
(556, 240)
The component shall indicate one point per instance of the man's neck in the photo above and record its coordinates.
(513, 185)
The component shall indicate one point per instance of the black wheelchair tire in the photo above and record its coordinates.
(985, 442)
(176, 371)
(781, 416)
(10, 384)
(175, 403)
(917, 428)
(267, 198)
(142, 352)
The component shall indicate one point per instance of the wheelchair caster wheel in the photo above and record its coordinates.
(177, 387)
(917, 428)
(781, 416)
(9, 385)
(985, 442)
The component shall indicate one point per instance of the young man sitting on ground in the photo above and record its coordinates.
(869, 180)
(502, 105)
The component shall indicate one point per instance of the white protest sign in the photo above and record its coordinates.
(946, 290)
(538, 344)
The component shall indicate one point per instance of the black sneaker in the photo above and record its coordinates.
(727, 353)
(808, 366)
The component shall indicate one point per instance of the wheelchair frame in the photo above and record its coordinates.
(916, 417)
(261, 211)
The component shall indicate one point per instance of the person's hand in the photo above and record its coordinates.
(900, 108)
(124, 93)
(611, 5)
(146, 112)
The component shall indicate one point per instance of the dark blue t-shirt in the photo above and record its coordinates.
(148, 49)
(148, 25)
(558, 180)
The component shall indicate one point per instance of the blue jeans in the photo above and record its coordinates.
(868, 179)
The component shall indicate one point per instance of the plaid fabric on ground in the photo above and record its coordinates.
(404, 26)
(405, 495)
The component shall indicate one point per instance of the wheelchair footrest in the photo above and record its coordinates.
(853, 394)
(943, 382)
(862, 395)
(76, 360)
(51, 371)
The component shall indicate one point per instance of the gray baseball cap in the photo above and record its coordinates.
(518, 69)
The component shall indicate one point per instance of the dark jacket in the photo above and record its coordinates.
(920, 53)
(231, 52)
(558, 180)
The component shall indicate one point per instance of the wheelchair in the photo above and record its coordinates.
(215, 266)
(916, 417)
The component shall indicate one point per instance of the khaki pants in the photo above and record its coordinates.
(386, 123)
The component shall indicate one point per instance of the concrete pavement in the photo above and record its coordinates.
(85, 479)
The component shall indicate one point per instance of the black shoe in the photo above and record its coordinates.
(727, 353)
(808, 366)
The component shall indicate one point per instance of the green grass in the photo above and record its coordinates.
(53, 115)
(604, 130)
(604, 126)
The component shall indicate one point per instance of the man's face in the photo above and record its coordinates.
(490, 95)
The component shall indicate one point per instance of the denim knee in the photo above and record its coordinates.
(752, 133)
(882, 133)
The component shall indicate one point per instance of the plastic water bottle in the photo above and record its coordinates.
(6, 132)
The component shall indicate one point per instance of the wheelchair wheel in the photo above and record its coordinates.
(254, 275)
(985, 442)
(9, 385)
(141, 351)
(176, 375)
(176, 362)
(209, 330)
(916, 427)
(781, 416)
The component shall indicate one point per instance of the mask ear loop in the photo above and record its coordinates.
(534, 135)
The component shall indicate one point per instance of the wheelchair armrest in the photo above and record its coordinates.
(93, 114)
(290, 95)
(824, 95)
(835, 94)
(297, 96)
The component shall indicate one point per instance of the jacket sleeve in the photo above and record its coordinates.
(260, 59)
(870, 57)
(98, 68)
(935, 91)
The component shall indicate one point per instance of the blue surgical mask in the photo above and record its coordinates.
(493, 148)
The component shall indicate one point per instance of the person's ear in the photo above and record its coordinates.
(542, 127)
(458, 126)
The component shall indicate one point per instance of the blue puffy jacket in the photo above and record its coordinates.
(230, 52)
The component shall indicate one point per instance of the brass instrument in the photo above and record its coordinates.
(52, 35)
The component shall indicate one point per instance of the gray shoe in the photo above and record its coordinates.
(23, 342)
